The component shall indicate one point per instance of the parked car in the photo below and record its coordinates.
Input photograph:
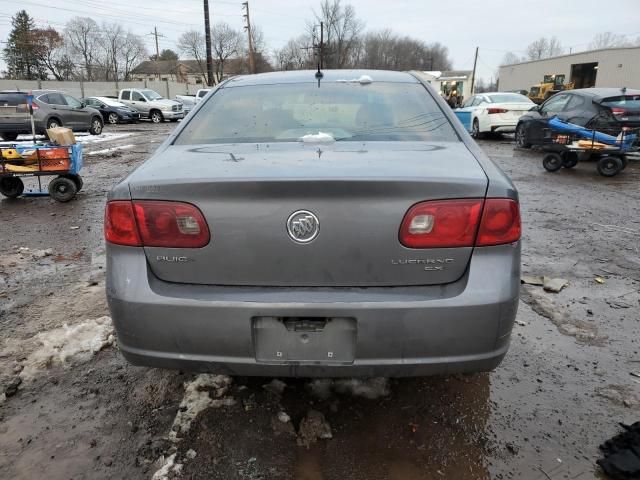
(594, 108)
(263, 248)
(200, 94)
(113, 111)
(495, 112)
(151, 104)
(51, 108)
(187, 101)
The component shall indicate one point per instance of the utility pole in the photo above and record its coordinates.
(473, 75)
(247, 27)
(207, 37)
(156, 35)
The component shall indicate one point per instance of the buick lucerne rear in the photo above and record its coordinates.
(297, 224)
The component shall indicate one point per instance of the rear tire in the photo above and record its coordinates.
(552, 162)
(156, 116)
(569, 159)
(53, 123)
(77, 179)
(475, 130)
(609, 166)
(521, 137)
(11, 187)
(96, 126)
(62, 189)
(113, 118)
(9, 136)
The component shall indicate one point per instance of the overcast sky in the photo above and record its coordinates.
(496, 26)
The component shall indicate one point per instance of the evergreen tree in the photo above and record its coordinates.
(22, 52)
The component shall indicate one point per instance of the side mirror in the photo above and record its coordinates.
(83, 105)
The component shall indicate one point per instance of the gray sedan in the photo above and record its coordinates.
(298, 224)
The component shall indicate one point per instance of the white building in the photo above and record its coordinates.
(454, 80)
(609, 67)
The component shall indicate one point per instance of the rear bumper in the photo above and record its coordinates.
(464, 326)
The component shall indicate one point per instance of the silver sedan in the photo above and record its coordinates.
(340, 223)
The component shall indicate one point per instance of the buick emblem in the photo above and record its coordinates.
(303, 226)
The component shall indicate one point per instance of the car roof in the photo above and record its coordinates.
(331, 76)
(601, 93)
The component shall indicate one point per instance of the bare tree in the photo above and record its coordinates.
(544, 48)
(295, 54)
(83, 37)
(112, 42)
(133, 50)
(510, 58)
(387, 51)
(609, 40)
(225, 42)
(192, 45)
(53, 53)
(342, 31)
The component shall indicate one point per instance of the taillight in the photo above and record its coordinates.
(491, 111)
(500, 222)
(120, 224)
(157, 224)
(618, 111)
(461, 223)
(442, 223)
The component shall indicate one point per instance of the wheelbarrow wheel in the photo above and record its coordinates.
(77, 179)
(569, 159)
(609, 166)
(552, 162)
(11, 187)
(62, 189)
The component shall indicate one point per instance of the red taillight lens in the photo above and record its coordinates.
(170, 224)
(152, 223)
(618, 111)
(500, 222)
(442, 223)
(120, 224)
(454, 223)
(491, 111)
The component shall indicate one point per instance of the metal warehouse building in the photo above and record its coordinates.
(609, 67)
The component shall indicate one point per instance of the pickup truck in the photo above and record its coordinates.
(200, 94)
(151, 104)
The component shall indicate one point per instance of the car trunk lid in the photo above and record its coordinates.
(358, 192)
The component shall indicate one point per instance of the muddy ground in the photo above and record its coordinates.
(75, 409)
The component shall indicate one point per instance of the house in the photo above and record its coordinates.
(452, 80)
(182, 71)
(608, 67)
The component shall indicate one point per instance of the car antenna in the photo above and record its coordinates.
(320, 47)
(319, 75)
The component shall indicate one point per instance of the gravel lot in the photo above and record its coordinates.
(75, 409)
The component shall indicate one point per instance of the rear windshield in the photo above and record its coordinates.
(631, 102)
(508, 98)
(350, 112)
(12, 99)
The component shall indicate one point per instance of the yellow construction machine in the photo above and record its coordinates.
(551, 84)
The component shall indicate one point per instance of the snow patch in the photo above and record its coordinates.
(103, 137)
(370, 388)
(198, 395)
(107, 150)
(169, 466)
(61, 346)
(363, 80)
(319, 137)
